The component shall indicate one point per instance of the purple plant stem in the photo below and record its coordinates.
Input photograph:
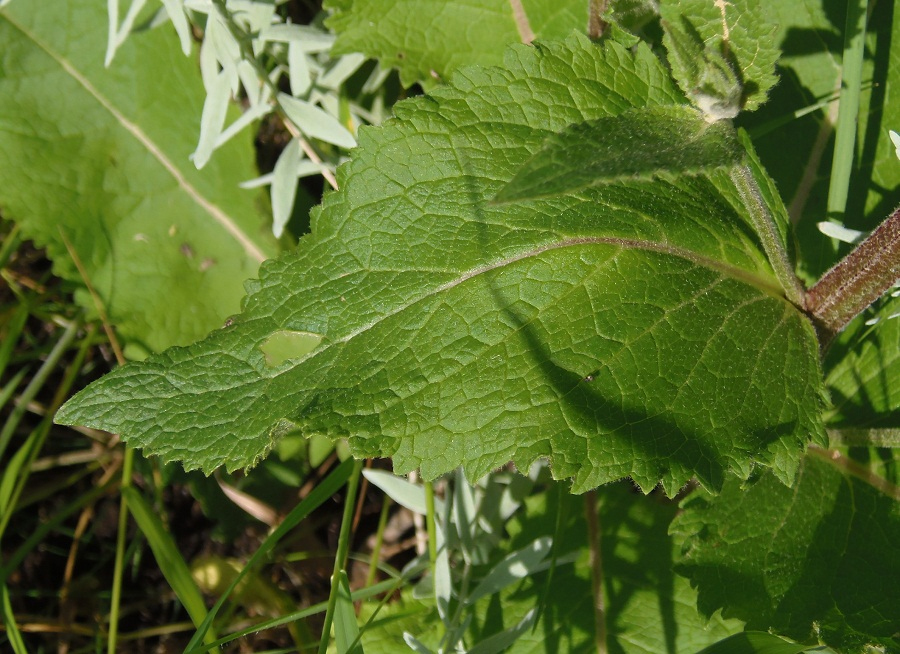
(858, 279)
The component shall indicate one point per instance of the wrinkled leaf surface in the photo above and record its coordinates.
(633, 329)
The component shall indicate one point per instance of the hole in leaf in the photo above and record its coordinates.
(286, 344)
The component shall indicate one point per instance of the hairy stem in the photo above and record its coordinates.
(596, 25)
(764, 223)
(858, 279)
(593, 524)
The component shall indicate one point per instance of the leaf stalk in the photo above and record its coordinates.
(743, 180)
(858, 279)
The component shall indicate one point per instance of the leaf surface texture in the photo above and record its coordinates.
(633, 329)
(787, 559)
(436, 38)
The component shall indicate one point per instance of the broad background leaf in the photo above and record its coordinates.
(625, 330)
(649, 609)
(823, 552)
(436, 37)
(82, 151)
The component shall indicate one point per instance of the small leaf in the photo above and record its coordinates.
(722, 53)
(704, 73)
(298, 70)
(636, 144)
(403, 492)
(175, 9)
(895, 139)
(502, 641)
(517, 565)
(213, 118)
(315, 122)
(346, 628)
(284, 186)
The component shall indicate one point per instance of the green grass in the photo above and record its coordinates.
(101, 546)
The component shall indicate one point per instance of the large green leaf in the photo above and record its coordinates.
(648, 608)
(817, 560)
(429, 39)
(632, 329)
(101, 156)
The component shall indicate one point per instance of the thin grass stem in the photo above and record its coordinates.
(119, 565)
(340, 560)
(36, 383)
(379, 540)
(324, 490)
(848, 109)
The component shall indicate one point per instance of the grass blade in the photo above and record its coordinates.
(329, 486)
(346, 629)
(169, 559)
(848, 109)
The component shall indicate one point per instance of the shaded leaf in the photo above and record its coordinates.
(864, 371)
(819, 560)
(754, 642)
(649, 609)
(637, 144)
(633, 329)
(166, 247)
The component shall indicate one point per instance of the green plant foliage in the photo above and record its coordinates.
(810, 35)
(671, 140)
(625, 330)
(426, 40)
(756, 642)
(166, 248)
(649, 609)
(819, 560)
(864, 381)
(733, 49)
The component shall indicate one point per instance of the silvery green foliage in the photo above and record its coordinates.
(241, 39)
(469, 526)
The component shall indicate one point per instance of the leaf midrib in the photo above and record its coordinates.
(734, 272)
(211, 209)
